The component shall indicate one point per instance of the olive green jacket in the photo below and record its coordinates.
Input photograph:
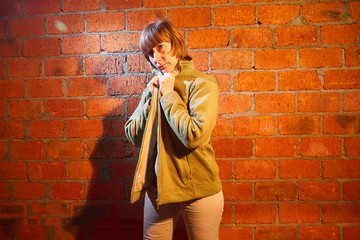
(176, 129)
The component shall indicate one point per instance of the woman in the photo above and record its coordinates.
(173, 124)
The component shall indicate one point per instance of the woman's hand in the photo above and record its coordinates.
(167, 82)
(153, 83)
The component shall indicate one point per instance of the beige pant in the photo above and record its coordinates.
(201, 217)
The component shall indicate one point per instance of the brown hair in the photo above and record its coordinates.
(163, 31)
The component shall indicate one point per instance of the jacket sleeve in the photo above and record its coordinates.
(192, 122)
(135, 126)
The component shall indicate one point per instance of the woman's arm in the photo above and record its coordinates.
(194, 122)
(135, 126)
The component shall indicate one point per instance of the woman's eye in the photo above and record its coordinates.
(160, 46)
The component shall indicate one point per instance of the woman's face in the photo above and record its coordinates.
(162, 59)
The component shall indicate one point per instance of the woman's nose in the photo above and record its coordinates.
(157, 56)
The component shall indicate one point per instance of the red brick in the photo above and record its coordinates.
(320, 147)
(323, 12)
(319, 102)
(84, 170)
(4, 191)
(2, 28)
(233, 148)
(64, 66)
(42, 47)
(26, 109)
(11, 130)
(29, 68)
(67, 191)
(83, 209)
(341, 213)
(352, 147)
(227, 214)
(104, 107)
(351, 191)
(255, 81)
(41, 7)
(208, 38)
(122, 170)
(72, 23)
(201, 60)
(276, 147)
(275, 59)
(106, 149)
(122, 42)
(234, 104)
(204, 2)
(275, 233)
(159, 3)
(235, 15)
(340, 168)
(235, 233)
(277, 14)
(222, 127)
(3, 150)
(275, 191)
(2, 107)
(299, 213)
(128, 85)
(137, 20)
(355, 13)
(298, 35)
(319, 58)
(132, 103)
(319, 233)
(114, 191)
(299, 80)
(115, 127)
(10, 8)
(195, 17)
(251, 38)
(340, 34)
(225, 171)
(87, 87)
(33, 26)
(84, 128)
(245, 126)
(352, 56)
(58, 223)
(10, 47)
(319, 191)
(46, 129)
(299, 169)
(12, 170)
(231, 60)
(42, 88)
(351, 232)
(28, 150)
(65, 108)
(137, 64)
(105, 22)
(66, 150)
(235, 191)
(341, 124)
(255, 169)
(298, 124)
(82, 44)
(12, 88)
(49, 208)
(31, 232)
(342, 79)
(224, 81)
(29, 190)
(80, 5)
(254, 213)
(122, 4)
(101, 65)
(351, 101)
(2, 69)
(275, 103)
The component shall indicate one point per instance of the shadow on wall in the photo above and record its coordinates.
(107, 212)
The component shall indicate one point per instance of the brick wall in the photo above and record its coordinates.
(287, 139)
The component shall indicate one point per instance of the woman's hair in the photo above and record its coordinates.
(163, 31)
